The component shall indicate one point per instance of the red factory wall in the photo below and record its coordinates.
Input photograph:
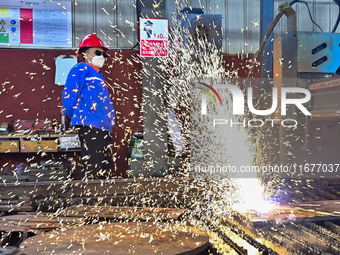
(28, 92)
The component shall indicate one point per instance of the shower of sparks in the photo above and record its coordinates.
(194, 61)
(208, 197)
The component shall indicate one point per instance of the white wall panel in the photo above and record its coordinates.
(84, 20)
(333, 11)
(322, 15)
(106, 13)
(126, 23)
(116, 22)
(303, 19)
(252, 22)
(220, 7)
(235, 29)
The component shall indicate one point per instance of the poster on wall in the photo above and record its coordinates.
(35, 23)
(154, 37)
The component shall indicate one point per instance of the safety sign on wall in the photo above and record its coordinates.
(154, 37)
(35, 23)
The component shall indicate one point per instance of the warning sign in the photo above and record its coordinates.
(36, 23)
(154, 37)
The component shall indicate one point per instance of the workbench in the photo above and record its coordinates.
(35, 142)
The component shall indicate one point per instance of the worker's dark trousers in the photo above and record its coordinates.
(96, 152)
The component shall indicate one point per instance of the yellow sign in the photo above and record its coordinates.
(3, 12)
(2, 22)
(2, 29)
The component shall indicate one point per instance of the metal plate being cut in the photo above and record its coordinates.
(119, 238)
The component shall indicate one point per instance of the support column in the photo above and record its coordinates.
(154, 108)
(266, 18)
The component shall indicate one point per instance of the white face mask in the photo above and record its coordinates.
(98, 61)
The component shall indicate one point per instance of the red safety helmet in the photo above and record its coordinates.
(91, 40)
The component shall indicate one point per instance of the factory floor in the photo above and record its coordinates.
(152, 215)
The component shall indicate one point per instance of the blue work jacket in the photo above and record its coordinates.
(86, 99)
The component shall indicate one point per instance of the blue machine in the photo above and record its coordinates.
(201, 26)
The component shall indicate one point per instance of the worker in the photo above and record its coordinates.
(87, 104)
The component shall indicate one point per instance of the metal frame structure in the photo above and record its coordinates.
(306, 59)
